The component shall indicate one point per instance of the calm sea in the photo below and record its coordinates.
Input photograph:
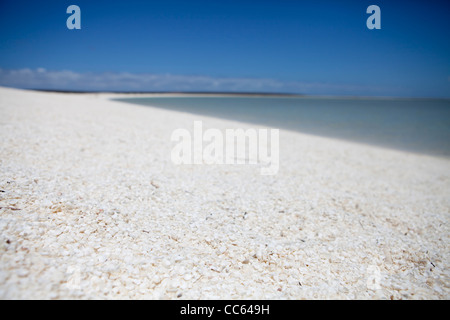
(417, 125)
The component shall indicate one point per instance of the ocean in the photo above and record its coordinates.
(415, 125)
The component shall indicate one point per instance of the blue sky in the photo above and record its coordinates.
(312, 47)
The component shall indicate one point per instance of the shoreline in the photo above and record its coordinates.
(100, 211)
(428, 142)
(144, 94)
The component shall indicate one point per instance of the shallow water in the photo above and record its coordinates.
(417, 125)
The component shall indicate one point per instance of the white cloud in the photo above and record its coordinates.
(113, 81)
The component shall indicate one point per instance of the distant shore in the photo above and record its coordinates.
(230, 94)
(172, 93)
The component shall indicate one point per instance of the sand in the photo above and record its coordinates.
(93, 208)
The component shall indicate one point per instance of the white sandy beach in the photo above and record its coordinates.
(93, 208)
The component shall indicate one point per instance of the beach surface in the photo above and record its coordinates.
(92, 207)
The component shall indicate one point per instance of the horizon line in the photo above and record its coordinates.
(232, 93)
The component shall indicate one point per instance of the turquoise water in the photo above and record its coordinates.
(417, 125)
